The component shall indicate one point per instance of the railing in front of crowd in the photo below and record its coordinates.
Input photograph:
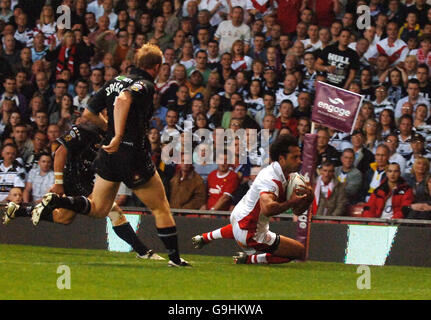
(284, 216)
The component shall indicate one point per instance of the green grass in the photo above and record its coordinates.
(28, 272)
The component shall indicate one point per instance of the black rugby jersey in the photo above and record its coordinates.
(140, 85)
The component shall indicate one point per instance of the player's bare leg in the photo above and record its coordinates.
(124, 230)
(153, 195)
(288, 250)
(201, 240)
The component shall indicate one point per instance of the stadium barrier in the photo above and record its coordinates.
(349, 240)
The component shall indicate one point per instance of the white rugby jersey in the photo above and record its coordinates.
(269, 180)
(396, 53)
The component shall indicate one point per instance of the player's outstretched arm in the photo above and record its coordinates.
(121, 111)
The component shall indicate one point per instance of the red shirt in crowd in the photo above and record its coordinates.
(287, 14)
(291, 124)
(220, 184)
(323, 11)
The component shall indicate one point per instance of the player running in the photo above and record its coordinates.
(125, 157)
(266, 198)
(74, 176)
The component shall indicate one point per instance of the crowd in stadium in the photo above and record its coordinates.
(230, 64)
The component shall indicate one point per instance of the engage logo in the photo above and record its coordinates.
(334, 109)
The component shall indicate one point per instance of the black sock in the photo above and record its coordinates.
(170, 240)
(24, 211)
(125, 232)
(78, 204)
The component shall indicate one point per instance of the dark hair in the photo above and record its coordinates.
(281, 145)
(423, 66)
(348, 150)
(327, 163)
(405, 116)
(414, 81)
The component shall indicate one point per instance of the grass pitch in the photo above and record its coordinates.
(28, 272)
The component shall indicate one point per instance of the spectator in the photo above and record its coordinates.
(115, 44)
(12, 173)
(394, 48)
(339, 61)
(326, 152)
(396, 89)
(222, 183)
(418, 176)
(372, 134)
(187, 189)
(421, 206)
(304, 105)
(69, 54)
(406, 131)
(269, 107)
(41, 122)
(239, 112)
(40, 142)
(410, 28)
(329, 193)
(23, 142)
(286, 118)
(159, 33)
(15, 195)
(43, 87)
(5, 13)
(391, 142)
(350, 176)
(376, 172)
(23, 33)
(53, 132)
(231, 30)
(60, 89)
(424, 52)
(10, 93)
(413, 97)
(195, 85)
(381, 102)
(289, 91)
(390, 197)
(417, 144)
(10, 52)
(420, 117)
(80, 101)
(40, 180)
(171, 129)
(287, 14)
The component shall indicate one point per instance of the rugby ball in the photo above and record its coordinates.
(295, 179)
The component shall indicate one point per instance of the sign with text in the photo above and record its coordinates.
(335, 107)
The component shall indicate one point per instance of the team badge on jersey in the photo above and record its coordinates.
(138, 86)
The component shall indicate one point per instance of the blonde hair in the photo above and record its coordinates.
(148, 56)
(51, 18)
(424, 160)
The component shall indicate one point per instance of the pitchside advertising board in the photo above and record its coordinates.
(335, 108)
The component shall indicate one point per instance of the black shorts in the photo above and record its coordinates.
(131, 166)
(74, 187)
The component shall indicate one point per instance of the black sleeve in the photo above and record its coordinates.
(141, 90)
(98, 101)
(77, 139)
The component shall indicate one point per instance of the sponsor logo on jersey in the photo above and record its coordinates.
(114, 87)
